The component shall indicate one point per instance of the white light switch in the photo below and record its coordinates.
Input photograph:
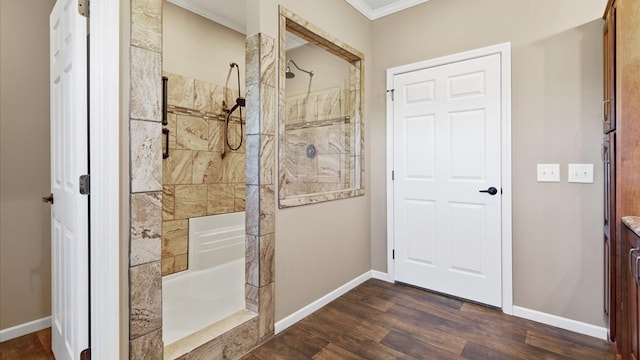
(581, 173)
(548, 172)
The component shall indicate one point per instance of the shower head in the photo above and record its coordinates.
(290, 75)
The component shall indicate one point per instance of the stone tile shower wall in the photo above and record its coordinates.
(145, 142)
(317, 119)
(202, 175)
(145, 146)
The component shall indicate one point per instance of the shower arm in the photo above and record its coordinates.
(298, 67)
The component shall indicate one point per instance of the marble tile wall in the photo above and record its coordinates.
(318, 118)
(145, 146)
(202, 175)
(260, 192)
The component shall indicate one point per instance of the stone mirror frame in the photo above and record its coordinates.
(321, 123)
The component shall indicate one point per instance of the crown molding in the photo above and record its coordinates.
(372, 14)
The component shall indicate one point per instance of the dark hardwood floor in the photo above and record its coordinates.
(34, 346)
(378, 320)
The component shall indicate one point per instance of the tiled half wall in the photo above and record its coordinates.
(202, 175)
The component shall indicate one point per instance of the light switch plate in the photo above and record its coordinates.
(580, 173)
(548, 172)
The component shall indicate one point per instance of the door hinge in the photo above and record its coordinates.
(393, 254)
(85, 354)
(392, 91)
(83, 8)
(393, 175)
(85, 184)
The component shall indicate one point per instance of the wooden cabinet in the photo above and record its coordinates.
(632, 241)
(608, 158)
(609, 52)
(609, 232)
(621, 165)
(610, 244)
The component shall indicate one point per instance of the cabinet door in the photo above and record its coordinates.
(608, 102)
(609, 232)
(608, 286)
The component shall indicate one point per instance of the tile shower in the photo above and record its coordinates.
(202, 175)
(146, 190)
(317, 133)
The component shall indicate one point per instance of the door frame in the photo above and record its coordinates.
(104, 152)
(504, 50)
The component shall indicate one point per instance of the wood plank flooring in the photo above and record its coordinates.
(34, 346)
(379, 320)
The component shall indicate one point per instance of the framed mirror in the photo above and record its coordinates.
(321, 115)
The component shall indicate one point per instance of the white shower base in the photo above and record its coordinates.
(213, 287)
(194, 301)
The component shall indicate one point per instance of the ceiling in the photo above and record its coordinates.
(232, 15)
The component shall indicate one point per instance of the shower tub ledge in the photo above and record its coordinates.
(194, 341)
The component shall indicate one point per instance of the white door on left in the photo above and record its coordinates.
(69, 160)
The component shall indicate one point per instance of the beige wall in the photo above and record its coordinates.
(328, 69)
(319, 247)
(25, 251)
(199, 48)
(556, 87)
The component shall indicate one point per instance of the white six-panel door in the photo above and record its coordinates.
(446, 148)
(69, 215)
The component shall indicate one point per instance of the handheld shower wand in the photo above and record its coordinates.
(240, 103)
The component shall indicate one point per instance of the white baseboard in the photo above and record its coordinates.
(309, 309)
(24, 329)
(381, 276)
(533, 315)
(560, 322)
